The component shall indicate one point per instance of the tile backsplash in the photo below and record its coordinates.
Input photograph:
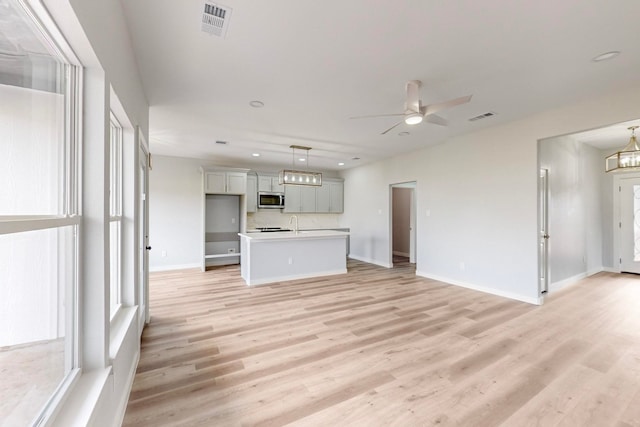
(275, 218)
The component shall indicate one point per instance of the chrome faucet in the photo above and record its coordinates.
(296, 226)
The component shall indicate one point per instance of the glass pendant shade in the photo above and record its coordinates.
(626, 159)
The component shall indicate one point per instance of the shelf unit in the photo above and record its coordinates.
(224, 212)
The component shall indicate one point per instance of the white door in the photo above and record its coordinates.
(630, 225)
(543, 239)
(143, 237)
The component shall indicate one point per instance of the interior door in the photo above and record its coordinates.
(629, 225)
(543, 237)
(143, 237)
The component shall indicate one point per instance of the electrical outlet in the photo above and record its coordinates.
(164, 253)
(233, 220)
(231, 251)
(462, 266)
(290, 260)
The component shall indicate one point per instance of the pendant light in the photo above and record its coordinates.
(626, 159)
(297, 177)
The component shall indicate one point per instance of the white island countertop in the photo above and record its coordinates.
(288, 235)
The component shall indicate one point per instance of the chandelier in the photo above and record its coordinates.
(297, 177)
(626, 159)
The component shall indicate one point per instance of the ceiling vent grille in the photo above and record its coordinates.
(482, 116)
(215, 19)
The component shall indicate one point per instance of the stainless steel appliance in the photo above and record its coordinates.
(267, 200)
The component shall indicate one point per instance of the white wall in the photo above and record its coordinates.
(482, 205)
(606, 191)
(575, 206)
(175, 213)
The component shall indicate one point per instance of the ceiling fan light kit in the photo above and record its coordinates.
(297, 177)
(626, 159)
(413, 119)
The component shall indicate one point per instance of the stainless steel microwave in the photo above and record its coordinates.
(268, 200)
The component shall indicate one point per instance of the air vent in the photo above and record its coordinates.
(215, 19)
(221, 142)
(482, 116)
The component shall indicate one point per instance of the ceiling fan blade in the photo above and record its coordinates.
(434, 108)
(376, 115)
(397, 124)
(436, 120)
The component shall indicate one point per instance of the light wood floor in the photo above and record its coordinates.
(378, 347)
(29, 375)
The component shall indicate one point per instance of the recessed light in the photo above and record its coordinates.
(605, 56)
(404, 133)
(340, 163)
(302, 159)
(255, 154)
(257, 104)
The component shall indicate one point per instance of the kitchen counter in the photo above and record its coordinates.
(289, 255)
(301, 234)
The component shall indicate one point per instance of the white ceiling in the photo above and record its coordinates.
(611, 138)
(316, 63)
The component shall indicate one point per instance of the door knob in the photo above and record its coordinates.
(148, 248)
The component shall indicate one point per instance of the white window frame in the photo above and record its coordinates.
(115, 211)
(71, 214)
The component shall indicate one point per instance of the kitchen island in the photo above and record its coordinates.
(275, 257)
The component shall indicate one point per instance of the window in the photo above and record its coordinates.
(39, 219)
(115, 214)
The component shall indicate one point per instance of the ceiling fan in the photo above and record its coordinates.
(415, 112)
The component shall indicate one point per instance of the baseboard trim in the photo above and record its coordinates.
(473, 286)
(370, 261)
(610, 270)
(401, 253)
(157, 268)
(556, 286)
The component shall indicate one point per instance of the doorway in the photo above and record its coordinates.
(403, 229)
(143, 234)
(628, 242)
(543, 235)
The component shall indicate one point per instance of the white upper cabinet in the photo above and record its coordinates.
(330, 197)
(337, 197)
(252, 193)
(298, 198)
(270, 183)
(225, 181)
